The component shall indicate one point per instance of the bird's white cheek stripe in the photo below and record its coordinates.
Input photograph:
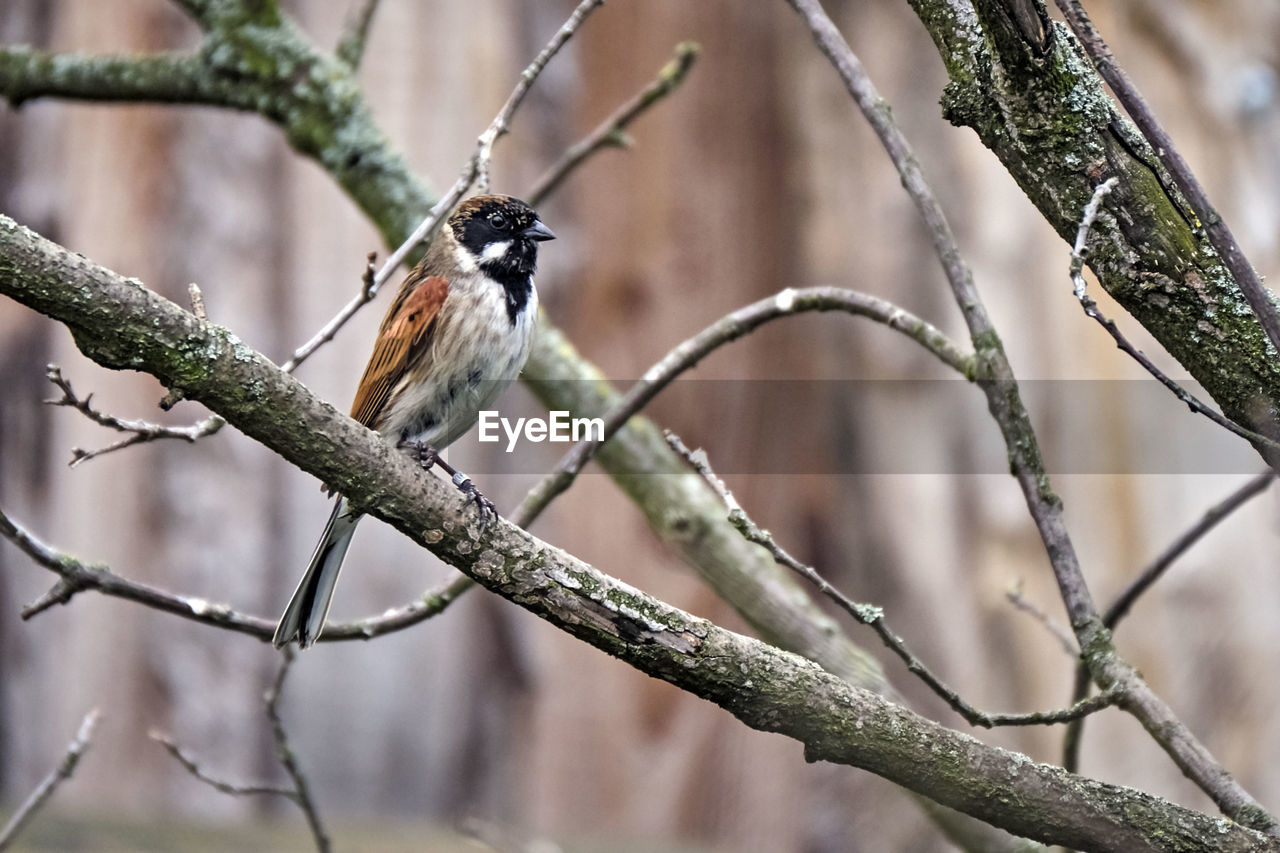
(494, 251)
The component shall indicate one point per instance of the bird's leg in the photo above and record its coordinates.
(427, 456)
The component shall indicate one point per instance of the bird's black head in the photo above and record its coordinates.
(501, 234)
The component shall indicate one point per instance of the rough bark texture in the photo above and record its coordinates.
(124, 326)
(1035, 100)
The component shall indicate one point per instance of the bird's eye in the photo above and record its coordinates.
(498, 222)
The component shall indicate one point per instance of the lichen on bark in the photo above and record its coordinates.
(1042, 109)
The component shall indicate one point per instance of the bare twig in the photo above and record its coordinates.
(764, 687)
(299, 794)
(285, 753)
(139, 431)
(1147, 578)
(873, 616)
(996, 378)
(45, 789)
(1079, 252)
(74, 577)
(475, 171)
(612, 132)
(356, 33)
(1062, 635)
(193, 767)
(727, 329)
(1214, 226)
(1193, 534)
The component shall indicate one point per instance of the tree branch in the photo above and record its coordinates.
(1078, 254)
(1215, 227)
(731, 327)
(284, 752)
(351, 46)
(612, 132)
(299, 794)
(120, 324)
(1148, 577)
(326, 118)
(996, 379)
(1040, 106)
(74, 577)
(139, 431)
(873, 616)
(61, 773)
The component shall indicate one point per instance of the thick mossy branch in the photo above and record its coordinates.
(1040, 107)
(122, 324)
(262, 65)
(269, 67)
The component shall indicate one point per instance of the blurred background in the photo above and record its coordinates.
(756, 175)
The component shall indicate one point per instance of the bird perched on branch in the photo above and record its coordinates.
(456, 334)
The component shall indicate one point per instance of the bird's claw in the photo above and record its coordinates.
(428, 457)
(422, 453)
(475, 496)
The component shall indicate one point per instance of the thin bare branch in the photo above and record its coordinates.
(287, 759)
(612, 132)
(74, 577)
(1193, 534)
(1147, 578)
(1079, 253)
(475, 171)
(193, 767)
(727, 329)
(1214, 226)
(1015, 597)
(788, 694)
(356, 33)
(299, 794)
(45, 790)
(873, 616)
(139, 431)
(996, 378)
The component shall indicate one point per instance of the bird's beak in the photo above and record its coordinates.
(538, 231)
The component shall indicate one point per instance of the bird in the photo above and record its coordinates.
(458, 332)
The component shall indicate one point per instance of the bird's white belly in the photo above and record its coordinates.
(484, 353)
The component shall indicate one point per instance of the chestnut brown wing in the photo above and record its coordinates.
(407, 328)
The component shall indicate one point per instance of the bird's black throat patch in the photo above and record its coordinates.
(515, 276)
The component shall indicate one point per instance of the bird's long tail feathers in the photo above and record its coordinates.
(304, 617)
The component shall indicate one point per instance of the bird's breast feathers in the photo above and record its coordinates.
(475, 351)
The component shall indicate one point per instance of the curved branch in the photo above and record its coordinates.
(325, 117)
(121, 324)
(1078, 253)
(612, 132)
(873, 616)
(75, 577)
(727, 329)
(996, 378)
(1147, 578)
(475, 171)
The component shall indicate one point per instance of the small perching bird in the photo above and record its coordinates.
(457, 333)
